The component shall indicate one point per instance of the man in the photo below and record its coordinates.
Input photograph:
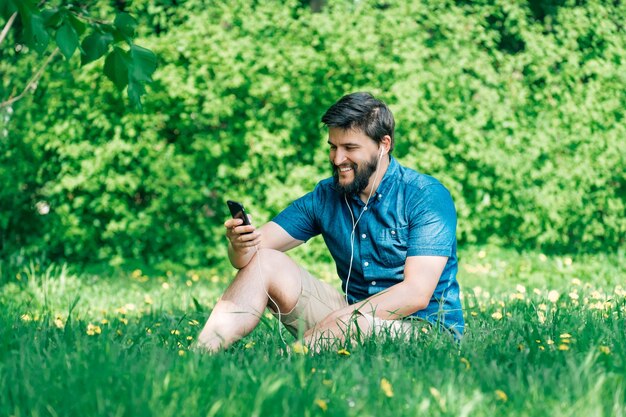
(390, 230)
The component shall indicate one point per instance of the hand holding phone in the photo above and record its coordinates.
(238, 212)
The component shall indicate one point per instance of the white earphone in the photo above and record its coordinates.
(354, 223)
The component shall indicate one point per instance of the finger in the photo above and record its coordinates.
(231, 223)
(241, 230)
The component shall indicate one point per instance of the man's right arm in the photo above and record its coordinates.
(245, 240)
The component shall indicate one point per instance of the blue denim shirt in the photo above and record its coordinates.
(411, 214)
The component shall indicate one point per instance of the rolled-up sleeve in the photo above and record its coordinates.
(432, 222)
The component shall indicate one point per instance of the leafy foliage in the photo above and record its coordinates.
(66, 24)
(518, 110)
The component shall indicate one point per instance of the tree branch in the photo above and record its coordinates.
(5, 31)
(32, 84)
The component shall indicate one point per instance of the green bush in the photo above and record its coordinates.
(517, 108)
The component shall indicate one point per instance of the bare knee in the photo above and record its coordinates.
(279, 274)
(271, 261)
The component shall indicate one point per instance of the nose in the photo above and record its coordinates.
(337, 156)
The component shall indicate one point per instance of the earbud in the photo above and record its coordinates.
(382, 150)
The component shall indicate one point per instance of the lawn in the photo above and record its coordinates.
(545, 337)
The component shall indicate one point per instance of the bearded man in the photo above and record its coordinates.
(390, 230)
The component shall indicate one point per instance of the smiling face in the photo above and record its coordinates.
(354, 157)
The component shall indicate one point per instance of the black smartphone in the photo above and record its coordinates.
(238, 212)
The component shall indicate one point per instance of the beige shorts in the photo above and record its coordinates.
(318, 299)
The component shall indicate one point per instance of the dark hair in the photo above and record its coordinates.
(363, 112)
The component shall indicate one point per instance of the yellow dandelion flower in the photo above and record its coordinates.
(497, 315)
(553, 296)
(188, 283)
(104, 321)
(193, 322)
(605, 349)
(181, 352)
(249, 345)
(299, 348)
(148, 330)
(136, 273)
(321, 404)
(563, 347)
(482, 254)
(542, 348)
(313, 370)
(147, 299)
(543, 257)
(165, 286)
(58, 323)
(343, 352)
(195, 277)
(424, 330)
(327, 382)
(576, 282)
(565, 336)
(465, 362)
(386, 387)
(123, 320)
(473, 314)
(26, 317)
(520, 288)
(175, 332)
(119, 332)
(550, 342)
(574, 295)
(501, 395)
(542, 307)
(93, 329)
(190, 338)
(537, 291)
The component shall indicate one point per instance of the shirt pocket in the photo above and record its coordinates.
(393, 245)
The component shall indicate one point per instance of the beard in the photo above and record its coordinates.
(362, 176)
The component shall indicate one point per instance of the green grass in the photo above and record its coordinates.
(117, 344)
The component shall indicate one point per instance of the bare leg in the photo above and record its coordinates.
(239, 310)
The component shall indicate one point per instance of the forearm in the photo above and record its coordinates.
(396, 302)
(240, 258)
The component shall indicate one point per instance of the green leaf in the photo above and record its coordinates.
(116, 67)
(144, 63)
(78, 25)
(67, 39)
(94, 46)
(135, 91)
(35, 33)
(52, 17)
(126, 24)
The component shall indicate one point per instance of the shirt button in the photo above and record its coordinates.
(373, 282)
(366, 263)
(363, 235)
(393, 232)
(365, 208)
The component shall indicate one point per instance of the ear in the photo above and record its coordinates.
(385, 144)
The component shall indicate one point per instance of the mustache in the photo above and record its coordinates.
(336, 167)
